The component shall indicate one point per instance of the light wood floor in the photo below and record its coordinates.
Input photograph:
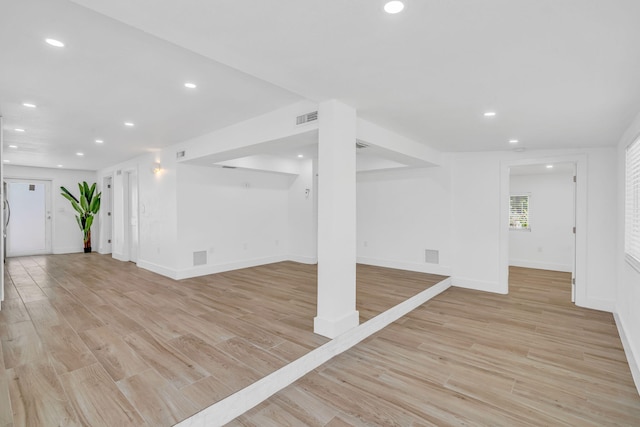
(474, 359)
(87, 340)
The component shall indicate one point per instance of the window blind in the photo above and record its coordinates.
(632, 202)
(519, 212)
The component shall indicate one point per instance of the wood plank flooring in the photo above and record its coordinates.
(87, 340)
(468, 358)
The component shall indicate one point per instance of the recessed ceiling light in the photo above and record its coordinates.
(549, 166)
(99, 141)
(490, 114)
(79, 154)
(393, 7)
(59, 166)
(54, 42)
(513, 141)
(300, 156)
(190, 85)
(29, 105)
(130, 124)
(13, 146)
(7, 161)
(19, 130)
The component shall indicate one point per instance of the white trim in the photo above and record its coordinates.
(409, 266)
(333, 328)
(220, 268)
(598, 304)
(68, 250)
(156, 268)
(568, 268)
(238, 403)
(478, 285)
(632, 356)
(303, 259)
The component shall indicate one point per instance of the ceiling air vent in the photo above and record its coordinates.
(180, 154)
(360, 145)
(228, 167)
(306, 118)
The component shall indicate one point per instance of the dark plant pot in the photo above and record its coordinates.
(87, 250)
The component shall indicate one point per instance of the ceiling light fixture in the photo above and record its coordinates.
(54, 42)
(79, 154)
(13, 146)
(513, 141)
(393, 7)
(99, 141)
(190, 85)
(7, 161)
(300, 156)
(19, 130)
(490, 114)
(29, 105)
(59, 166)
(130, 124)
(549, 166)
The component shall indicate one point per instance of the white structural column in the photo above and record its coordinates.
(336, 220)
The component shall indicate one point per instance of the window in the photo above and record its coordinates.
(519, 212)
(632, 204)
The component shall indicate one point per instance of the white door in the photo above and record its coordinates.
(133, 216)
(29, 227)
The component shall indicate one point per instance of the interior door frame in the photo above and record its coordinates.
(48, 203)
(580, 270)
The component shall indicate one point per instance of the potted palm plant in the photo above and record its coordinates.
(87, 206)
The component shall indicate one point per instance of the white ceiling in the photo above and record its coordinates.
(558, 73)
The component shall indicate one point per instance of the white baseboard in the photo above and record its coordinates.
(409, 266)
(629, 350)
(159, 269)
(597, 304)
(238, 403)
(220, 268)
(479, 285)
(303, 259)
(68, 250)
(541, 265)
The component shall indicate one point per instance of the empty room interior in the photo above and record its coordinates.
(320, 213)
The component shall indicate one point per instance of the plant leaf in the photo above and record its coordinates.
(66, 193)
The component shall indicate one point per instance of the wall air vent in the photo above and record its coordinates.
(360, 144)
(306, 118)
(432, 256)
(199, 258)
(180, 154)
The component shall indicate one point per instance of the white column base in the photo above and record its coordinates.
(333, 328)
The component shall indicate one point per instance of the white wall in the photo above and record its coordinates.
(401, 213)
(549, 243)
(239, 217)
(157, 211)
(628, 291)
(302, 214)
(66, 235)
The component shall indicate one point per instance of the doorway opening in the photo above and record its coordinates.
(576, 262)
(542, 217)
